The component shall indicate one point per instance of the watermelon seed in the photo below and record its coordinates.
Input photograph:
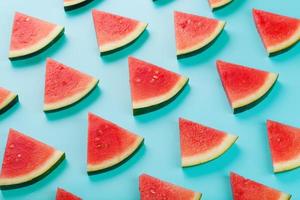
(155, 77)
(152, 191)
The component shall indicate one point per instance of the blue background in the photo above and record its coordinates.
(203, 101)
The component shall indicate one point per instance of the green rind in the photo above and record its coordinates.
(40, 50)
(79, 5)
(36, 179)
(254, 103)
(285, 49)
(118, 164)
(10, 104)
(72, 104)
(140, 111)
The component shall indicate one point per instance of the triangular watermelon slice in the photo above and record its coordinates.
(152, 188)
(193, 32)
(200, 144)
(277, 32)
(26, 160)
(244, 86)
(31, 35)
(215, 4)
(65, 86)
(62, 194)
(108, 144)
(284, 143)
(7, 99)
(73, 4)
(151, 86)
(114, 31)
(246, 189)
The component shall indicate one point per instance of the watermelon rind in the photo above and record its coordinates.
(39, 46)
(286, 165)
(272, 50)
(10, 100)
(211, 154)
(112, 46)
(220, 4)
(36, 175)
(198, 46)
(252, 99)
(68, 101)
(95, 168)
(75, 4)
(141, 107)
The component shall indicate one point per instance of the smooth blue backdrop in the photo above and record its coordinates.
(203, 101)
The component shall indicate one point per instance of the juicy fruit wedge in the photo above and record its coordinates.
(26, 160)
(154, 189)
(151, 86)
(284, 143)
(62, 194)
(7, 99)
(73, 4)
(108, 144)
(246, 189)
(214, 4)
(114, 31)
(65, 86)
(200, 144)
(193, 32)
(244, 86)
(30, 35)
(277, 32)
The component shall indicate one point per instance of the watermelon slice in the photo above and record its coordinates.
(26, 160)
(284, 143)
(277, 32)
(214, 4)
(244, 86)
(200, 144)
(246, 189)
(65, 86)
(31, 35)
(73, 4)
(62, 194)
(108, 144)
(154, 189)
(193, 32)
(114, 31)
(7, 99)
(151, 86)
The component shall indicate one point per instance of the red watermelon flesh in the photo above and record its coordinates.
(154, 189)
(108, 144)
(26, 159)
(114, 31)
(244, 85)
(246, 189)
(6, 97)
(30, 34)
(218, 3)
(284, 143)
(65, 85)
(193, 32)
(151, 85)
(200, 144)
(62, 194)
(277, 31)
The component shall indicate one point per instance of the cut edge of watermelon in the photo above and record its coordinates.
(46, 167)
(12, 96)
(156, 101)
(286, 166)
(270, 81)
(141, 27)
(14, 54)
(218, 30)
(70, 5)
(220, 4)
(92, 168)
(211, 154)
(71, 100)
(286, 44)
